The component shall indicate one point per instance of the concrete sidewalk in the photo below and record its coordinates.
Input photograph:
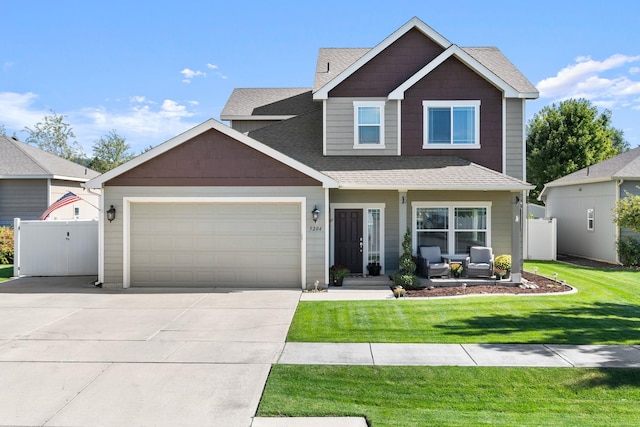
(507, 355)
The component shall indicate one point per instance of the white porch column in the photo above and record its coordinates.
(516, 236)
(402, 216)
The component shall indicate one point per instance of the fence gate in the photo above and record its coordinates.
(55, 248)
(541, 239)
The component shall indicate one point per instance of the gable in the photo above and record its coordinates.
(212, 158)
(391, 67)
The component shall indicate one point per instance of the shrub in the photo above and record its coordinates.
(503, 262)
(6, 245)
(629, 251)
(406, 276)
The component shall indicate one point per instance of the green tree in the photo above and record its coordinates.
(55, 136)
(3, 130)
(564, 138)
(626, 213)
(109, 152)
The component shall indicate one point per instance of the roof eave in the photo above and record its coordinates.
(444, 187)
(252, 117)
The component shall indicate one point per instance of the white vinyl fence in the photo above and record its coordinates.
(541, 239)
(55, 248)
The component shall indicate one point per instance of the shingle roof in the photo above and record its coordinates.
(301, 139)
(333, 61)
(622, 166)
(494, 60)
(245, 102)
(22, 160)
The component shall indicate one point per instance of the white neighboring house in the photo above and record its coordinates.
(583, 204)
(32, 179)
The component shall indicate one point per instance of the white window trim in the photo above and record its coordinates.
(591, 219)
(450, 146)
(451, 207)
(356, 141)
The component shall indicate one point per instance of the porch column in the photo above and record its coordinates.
(516, 236)
(402, 216)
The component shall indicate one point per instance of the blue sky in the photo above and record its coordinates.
(151, 70)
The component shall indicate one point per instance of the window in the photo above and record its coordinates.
(373, 234)
(590, 219)
(451, 124)
(368, 124)
(454, 228)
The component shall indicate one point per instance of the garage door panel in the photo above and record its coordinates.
(215, 244)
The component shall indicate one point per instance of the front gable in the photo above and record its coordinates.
(213, 159)
(391, 67)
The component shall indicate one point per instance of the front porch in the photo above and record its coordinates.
(383, 281)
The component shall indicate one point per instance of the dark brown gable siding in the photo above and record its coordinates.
(213, 159)
(453, 80)
(390, 68)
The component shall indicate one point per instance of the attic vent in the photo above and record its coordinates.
(328, 67)
(14, 138)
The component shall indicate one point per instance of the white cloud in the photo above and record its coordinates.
(18, 110)
(634, 70)
(190, 74)
(602, 82)
(212, 66)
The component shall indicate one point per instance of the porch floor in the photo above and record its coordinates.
(383, 281)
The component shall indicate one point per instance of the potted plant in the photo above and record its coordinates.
(338, 272)
(502, 266)
(456, 269)
(374, 268)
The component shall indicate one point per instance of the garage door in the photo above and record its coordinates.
(216, 244)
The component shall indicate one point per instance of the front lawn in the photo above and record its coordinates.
(6, 272)
(606, 310)
(445, 396)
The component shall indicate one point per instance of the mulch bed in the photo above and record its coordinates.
(543, 285)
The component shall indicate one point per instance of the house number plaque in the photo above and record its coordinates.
(315, 228)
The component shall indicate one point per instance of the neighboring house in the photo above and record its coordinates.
(583, 204)
(415, 133)
(31, 179)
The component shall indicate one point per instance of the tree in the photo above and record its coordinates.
(54, 135)
(564, 138)
(3, 131)
(626, 213)
(110, 151)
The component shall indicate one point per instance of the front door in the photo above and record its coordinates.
(348, 239)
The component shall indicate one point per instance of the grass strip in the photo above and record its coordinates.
(606, 310)
(453, 396)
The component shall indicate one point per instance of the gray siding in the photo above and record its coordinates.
(340, 128)
(569, 205)
(113, 232)
(22, 198)
(515, 144)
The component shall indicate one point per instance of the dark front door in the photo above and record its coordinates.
(348, 239)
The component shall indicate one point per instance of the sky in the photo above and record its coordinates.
(151, 70)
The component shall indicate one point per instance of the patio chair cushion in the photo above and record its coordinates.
(431, 262)
(480, 261)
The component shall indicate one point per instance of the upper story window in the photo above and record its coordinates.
(451, 124)
(368, 124)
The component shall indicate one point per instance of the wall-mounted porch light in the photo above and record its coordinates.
(111, 213)
(315, 213)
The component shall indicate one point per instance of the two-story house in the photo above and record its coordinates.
(416, 133)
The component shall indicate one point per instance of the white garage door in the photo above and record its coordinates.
(216, 244)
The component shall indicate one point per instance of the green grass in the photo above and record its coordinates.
(606, 310)
(445, 396)
(6, 271)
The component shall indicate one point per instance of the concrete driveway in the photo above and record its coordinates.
(75, 355)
